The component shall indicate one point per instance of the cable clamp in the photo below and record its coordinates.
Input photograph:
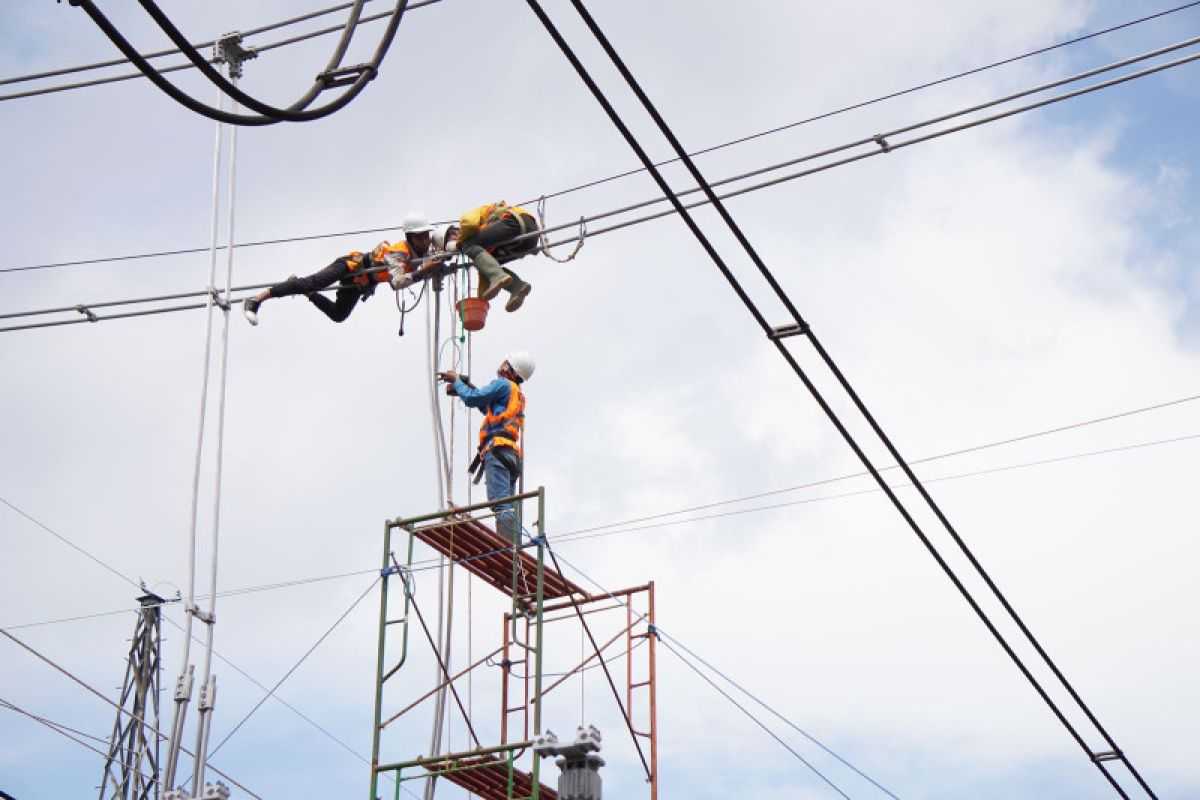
(87, 312)
(347, 75)
(395, 569)
(791, 329)
(1108, 755)
(882, 142)
(538, 541)
(228, 49)
(207, 619)
(652, 630)
(218, 301)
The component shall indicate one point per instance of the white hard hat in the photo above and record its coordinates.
(522, 364)
(416, 222)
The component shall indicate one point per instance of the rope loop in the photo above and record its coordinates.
(545, 243)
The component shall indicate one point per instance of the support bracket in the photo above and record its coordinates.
(228, 49)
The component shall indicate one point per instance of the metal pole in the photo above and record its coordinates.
(383, 606)
(652, 634)
(537, 679)
(208, 682)
(183, 685)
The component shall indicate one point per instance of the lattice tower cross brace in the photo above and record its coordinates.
(131, 766)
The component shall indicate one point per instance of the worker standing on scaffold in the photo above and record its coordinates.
(351, 274)
(499, 457)
(485, 236)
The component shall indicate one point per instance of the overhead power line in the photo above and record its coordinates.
(188, 65)
(355, 78)
(80, 682)
(882, 144)
(621, 526)
(800, 327)
(591, 183)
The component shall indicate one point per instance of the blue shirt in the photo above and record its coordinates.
(491, 398)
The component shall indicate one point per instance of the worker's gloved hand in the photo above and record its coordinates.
(452, 246)
(449, 376)
(450, 390)
(399, 278)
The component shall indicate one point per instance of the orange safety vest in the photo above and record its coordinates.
(354, 261)
(504, 429)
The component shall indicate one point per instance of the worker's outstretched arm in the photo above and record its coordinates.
(494, 392)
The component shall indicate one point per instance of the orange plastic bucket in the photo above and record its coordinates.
(474, 312)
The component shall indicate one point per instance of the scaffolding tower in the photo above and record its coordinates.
(131, 765)
(518, 569)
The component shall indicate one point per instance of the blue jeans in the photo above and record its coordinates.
(501, 468)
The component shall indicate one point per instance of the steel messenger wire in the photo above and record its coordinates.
(68, 732)
(891, 146)
(599, 181)
(614, 528)
(802, 328)
(659, 633)
(51, 663)
(177, 67)
(268, 115)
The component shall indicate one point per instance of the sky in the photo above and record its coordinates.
(1018, 277)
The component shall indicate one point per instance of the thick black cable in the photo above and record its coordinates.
(881, 98)
(855, 398)
(868, 140)
(259, 49)
(116, 62)
(220, 115)
(296, 112)
(777, 340)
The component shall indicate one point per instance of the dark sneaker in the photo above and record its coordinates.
(517, 295)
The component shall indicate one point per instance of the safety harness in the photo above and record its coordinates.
(501, 430)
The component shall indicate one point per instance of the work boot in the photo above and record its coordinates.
(518, 290)
(492, 277)
(250, 309)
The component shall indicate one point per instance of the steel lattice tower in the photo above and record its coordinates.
(131, 768)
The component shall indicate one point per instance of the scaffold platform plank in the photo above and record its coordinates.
(488, 555)
(486, 776)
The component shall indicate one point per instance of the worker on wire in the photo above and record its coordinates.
(499, 456)
(392, 263)
(485, 235)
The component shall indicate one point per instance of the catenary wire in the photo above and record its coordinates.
(366, 72)
(617, 528)
(658, 634)
(180, 628)
(177, 67)
(271, 692)
(68, 733)
(599, 181)
(802, 328)
(755, 719)
(90, 317)
(79, 681)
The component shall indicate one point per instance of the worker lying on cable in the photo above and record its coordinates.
(499, 457)
(393, 263)
(485, 235)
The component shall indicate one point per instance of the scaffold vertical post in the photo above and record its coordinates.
(377, 731)
(537, 674)
(652, 636)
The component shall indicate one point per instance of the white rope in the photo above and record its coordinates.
(545, 242)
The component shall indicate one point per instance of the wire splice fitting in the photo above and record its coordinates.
(87, 312)
(1108, 755)
(882, 142)
(218, 301)
(791, 329)
(347, 75)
